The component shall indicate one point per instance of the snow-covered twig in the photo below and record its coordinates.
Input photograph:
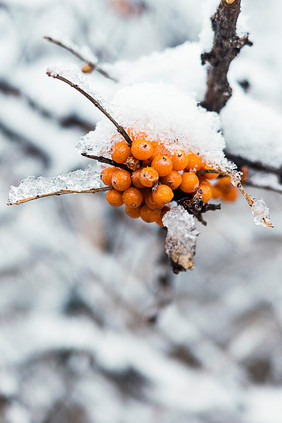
(96, 103)
(79, 55)
(226, 47)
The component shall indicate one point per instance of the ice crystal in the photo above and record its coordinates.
(79, 180)
(261, 213)
(181, 237)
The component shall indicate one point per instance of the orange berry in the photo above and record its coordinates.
(149, 215)
(87, 68)
(142, 149)
(163, 194)
(132, 197)
(205, 192)
(106, 175)
(162, 164)
(148, 176)
(160, 150)
(120, 151)
(114, 198)
(216, 192)
(204, 181)
(230, 194)
(173, 179)
(211, 175)
(151, 204)
(180, 160)
(194, 162)
(223, 182)
(135, 178)
(245, 173)
(133, 212)
(147, 162)
(190, 182)
(121, 180)
(159, 221)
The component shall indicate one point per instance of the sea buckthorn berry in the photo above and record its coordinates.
(190, 182)
(223, 182)
(211, 175)
(150, 202)
(132, 197)
(163, 194)
(142, 149)
(159, 221)
(173, 179)
(148, 176)
(204, 181)
(87, 68)
(162, 164)
(132, 163)
(194, 162)
(204, 192)
(180, 160)
(120, 151)
(114, 198)
(149, 215)
(133, 212)
(230, 194)
(245, 173)
(146, 163)
(216, 192)
(135, 178)
(106, 175)
(160, 150)
(121, 180)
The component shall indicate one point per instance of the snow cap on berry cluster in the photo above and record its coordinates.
(167, 115)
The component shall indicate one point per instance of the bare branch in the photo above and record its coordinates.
(61, 192)
(77, 54)
(96, 103)
(102, 159)
(226, 47)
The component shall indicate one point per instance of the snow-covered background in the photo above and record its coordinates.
(93, 326)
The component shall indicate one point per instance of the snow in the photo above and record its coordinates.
(79, 180)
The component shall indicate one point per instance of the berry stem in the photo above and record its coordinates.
(77, 54)
(61, 192)
(96, 103)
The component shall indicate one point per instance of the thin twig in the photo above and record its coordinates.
(96, 103)
(226, 47)
(60, 192)
(77, 54)
(102, 159)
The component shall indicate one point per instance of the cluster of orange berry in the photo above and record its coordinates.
(150, 174)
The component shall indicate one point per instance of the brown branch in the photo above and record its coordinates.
(76, 53)
(102, 159)
(226, 47)
(60, 192)
(96, 103)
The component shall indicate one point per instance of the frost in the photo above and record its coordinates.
(79, 180)
(261, 213)
(181, 237)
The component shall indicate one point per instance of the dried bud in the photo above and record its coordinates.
(132, 163)
(87, 68)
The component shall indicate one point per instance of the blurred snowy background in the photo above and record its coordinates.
(93, 326)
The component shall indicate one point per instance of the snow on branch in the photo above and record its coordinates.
(72, 77)
(79, 181)
(227, 45)
(85, 56)
(180, 243)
